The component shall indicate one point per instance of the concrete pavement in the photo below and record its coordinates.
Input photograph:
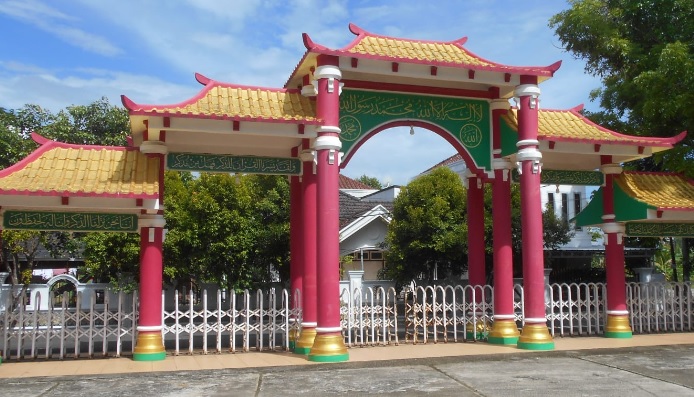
(644, 365)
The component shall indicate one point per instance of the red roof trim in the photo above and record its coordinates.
(76, 194)
(218, 117)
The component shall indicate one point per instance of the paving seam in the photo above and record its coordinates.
(645, 375)
(259, 385)
(460, 382)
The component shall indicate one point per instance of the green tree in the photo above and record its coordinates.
(428, 233)
(643, 51)
(370, 181)
(225, 229)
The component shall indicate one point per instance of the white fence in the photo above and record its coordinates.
(222, 322)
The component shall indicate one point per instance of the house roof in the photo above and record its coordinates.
(61, 169)
(346, 182)
(571, 125)
(351, 208)
(226, 101)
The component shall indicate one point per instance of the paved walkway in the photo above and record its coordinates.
(645, 365)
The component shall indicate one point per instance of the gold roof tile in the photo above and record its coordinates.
(228, 101)
(569, 125)
(661, 190)
(83, 170)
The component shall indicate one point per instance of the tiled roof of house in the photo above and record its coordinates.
(351, 208)
(570, 125)
(349, 183)
(661, 190)
(451, 160)
(235, 102)
(57, 168)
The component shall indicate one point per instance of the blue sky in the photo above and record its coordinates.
(55, 54)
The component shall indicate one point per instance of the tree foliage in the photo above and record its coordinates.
(428, 232)
(370, 181)
(644, 53)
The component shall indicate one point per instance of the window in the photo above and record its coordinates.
(376, 255)
(577, 206)
(564, 207)
(550, 202)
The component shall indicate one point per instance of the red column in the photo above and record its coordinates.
(504, 330)
(149, 345)
(475, 238)
(329, 345)
(296, 252)
(309, 241)
(534, 335)
(617, 315)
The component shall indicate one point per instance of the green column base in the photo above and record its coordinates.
(302, 350)
(620, 335)
(536, 346)
(292, 345)
(149, 356)
(500, 340)
(337, 358)
(471, 335)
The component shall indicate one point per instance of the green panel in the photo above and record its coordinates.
(563, 177)
(591, 215)
(227, 163)
(626, 208)
(509, 137)
(70, 221)
(645, 229)
(466, 120)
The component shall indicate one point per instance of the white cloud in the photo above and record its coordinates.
(59, 24)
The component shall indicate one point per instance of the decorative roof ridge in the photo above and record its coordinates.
(209, 84)
(46, 144)
(362, 33)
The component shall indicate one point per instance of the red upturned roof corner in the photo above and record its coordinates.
(224, 101)
(433, 53)
(62, 169)
(571, 126)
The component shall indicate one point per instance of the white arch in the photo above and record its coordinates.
(62, 277)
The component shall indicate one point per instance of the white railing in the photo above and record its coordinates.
(73, 329)
(260, 320)
(86, 326)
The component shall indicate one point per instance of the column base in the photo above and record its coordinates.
(618, 327)
(329, 348)
(503, 332)
(149, 347)
(535, 337)
(477, 331)
(305, 342)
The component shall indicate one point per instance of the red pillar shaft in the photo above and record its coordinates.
(535, 335)
(309, 245)
(295, 241)
(151, 241)
(617, 315)
(503, 252)
(504, 329)
(329, 345)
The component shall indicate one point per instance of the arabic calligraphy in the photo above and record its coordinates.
(425, 108)
(470, 135)
(226, 163)
(659, 229)
(33, 220)
(564, 177)
(350, 128)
